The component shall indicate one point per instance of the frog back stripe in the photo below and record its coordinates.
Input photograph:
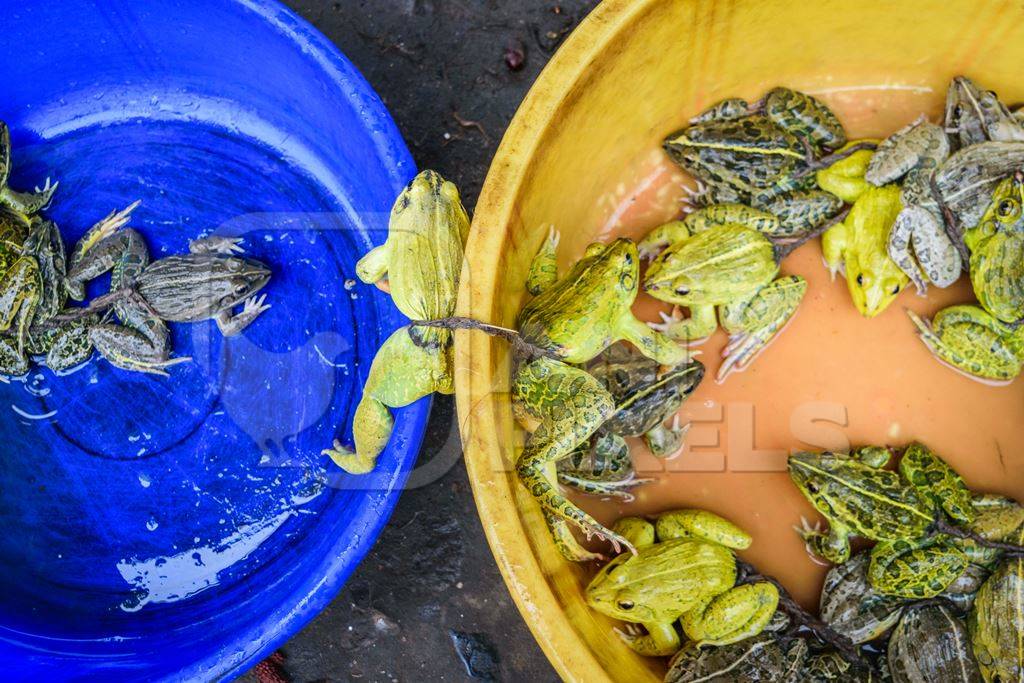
(862, 491)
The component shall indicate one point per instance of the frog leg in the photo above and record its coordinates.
(5, 153)
(569, 404)
(804, 116)
(738, 613)
(833, 246)
(664, 441)
(971, 341)
(729, 214)
(20, 292)
(141, 343)
(872, 456)
(636, 530)
(28, 203)
(661, 237)
(373, 267)
(651, 342)
(899, 249)
(936, 254)
(845, 178)
(561, 534)
(544, 267)
(905, 149)
(217, 244)
(729, 109)
(403, 371)
(124, 252)
(692, 331)
(755, 323)
(800, 212)
(13, 363)
(701, 524)
(231, 324)
(605, 469)
(918, 568)
(937, 482)
(70, 347)
(92, 237)
(661, 640)
(833, 546)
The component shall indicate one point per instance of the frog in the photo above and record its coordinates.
(973, 342)
(898, 510)
(420, 264)
(684, 571)
(763, 658)
(930, 643)
(645, 396)
(996, 246)
(996, 621)
(852, 607)
(26, 203)
(761, 155)
(569, 322)
(985, 342)
(973, 115)
(857, 247)
(942, 191)
(35, 290)
(721, 263)
(208, 282)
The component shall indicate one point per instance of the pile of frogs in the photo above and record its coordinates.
(918, 207)
(127, 325)
(937, 598)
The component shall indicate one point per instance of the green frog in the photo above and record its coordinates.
(973, 342)
(721, 264)
(645, 396)
(570, 321)
(686, 574)
(760, 155)
(974, 115)
(996, 622)
(34, 289)
(26, 203)
(763, 658)
(420, 262)
(206, 283)
(857, 246)
(930, 643)
(859, 498)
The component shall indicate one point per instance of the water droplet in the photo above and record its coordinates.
(145, 480)
(152, 524)
(349, 284)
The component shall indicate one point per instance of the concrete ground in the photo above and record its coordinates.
(452, 72)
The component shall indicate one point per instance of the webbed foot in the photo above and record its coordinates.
(217, 244)
(753, 325)
(231, 325)
(969, 340)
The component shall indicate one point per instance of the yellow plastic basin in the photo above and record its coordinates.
(631, 73)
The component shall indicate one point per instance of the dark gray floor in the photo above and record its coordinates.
(452, 73)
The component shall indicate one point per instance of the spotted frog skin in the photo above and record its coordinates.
(684, 571)
(758, 155)
(645, 396)
(763, 658)
(859, 498)
(721, 264)
(927, 239)
(996, 622)
(573, 319)
(986, 342)
(857, 246)
(206, 283)
(930, 643)
(420, 262)
(25, 203)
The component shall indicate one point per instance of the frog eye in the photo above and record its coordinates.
(860, 279)
(896, 289)
(1008, 208)
(626, 605)
(682, 291)
(958, 111)
(812, 487)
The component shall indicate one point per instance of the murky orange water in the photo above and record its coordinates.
(831, 380)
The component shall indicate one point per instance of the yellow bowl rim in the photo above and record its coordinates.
(567, 651)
